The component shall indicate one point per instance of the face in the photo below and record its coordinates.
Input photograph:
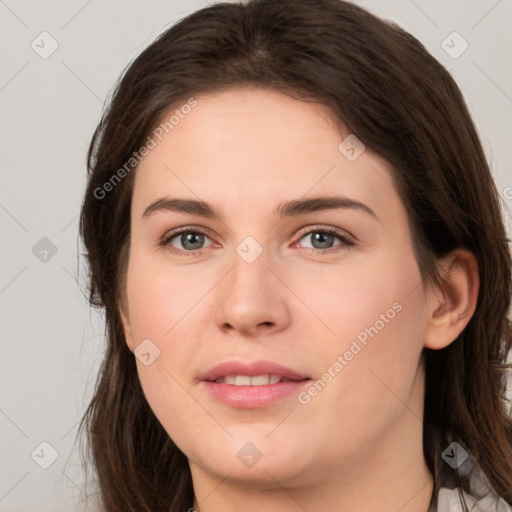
(318, 300)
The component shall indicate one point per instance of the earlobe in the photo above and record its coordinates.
(450, 308)
(126, 328)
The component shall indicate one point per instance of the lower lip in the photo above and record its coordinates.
(253, 397)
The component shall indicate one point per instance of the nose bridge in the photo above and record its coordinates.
(250, 296)
(249, 275)
(251, 250)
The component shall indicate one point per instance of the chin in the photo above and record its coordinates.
(254, 457)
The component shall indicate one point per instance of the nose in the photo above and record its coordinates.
(252, 300)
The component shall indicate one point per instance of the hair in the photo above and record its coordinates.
(382, 85)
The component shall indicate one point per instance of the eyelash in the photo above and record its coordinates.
(346, 240)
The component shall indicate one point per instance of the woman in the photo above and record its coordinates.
(246, 370)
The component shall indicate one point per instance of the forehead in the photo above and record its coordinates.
(253, 147)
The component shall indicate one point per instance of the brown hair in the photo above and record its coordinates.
(381, 83)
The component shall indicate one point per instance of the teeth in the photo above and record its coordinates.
(245, 380)
(242, 380)
(260, 380)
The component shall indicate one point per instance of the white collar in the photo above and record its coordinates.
(448, 498)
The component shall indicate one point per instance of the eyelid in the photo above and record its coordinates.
(328, 229)
(185, 229)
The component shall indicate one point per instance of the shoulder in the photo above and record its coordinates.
(482, 498)
(448, 500)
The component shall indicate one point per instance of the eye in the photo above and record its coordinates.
(190, 239)
(323, 237)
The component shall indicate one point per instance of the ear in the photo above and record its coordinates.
(450, 308)
(126, 327)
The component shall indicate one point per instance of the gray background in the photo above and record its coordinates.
(52, 343)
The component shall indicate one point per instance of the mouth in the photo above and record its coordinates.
(257, 380)
(252, 385)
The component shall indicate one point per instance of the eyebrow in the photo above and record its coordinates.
(291, 208)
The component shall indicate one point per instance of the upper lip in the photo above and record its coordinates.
(251, 369)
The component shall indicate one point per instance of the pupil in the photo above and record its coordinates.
(186, 239)
(320, 237)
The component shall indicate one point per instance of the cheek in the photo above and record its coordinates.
(371, 365)
(160, 310)
(155, 297)
(364, 303)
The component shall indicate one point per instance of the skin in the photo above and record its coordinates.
(357, 445)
